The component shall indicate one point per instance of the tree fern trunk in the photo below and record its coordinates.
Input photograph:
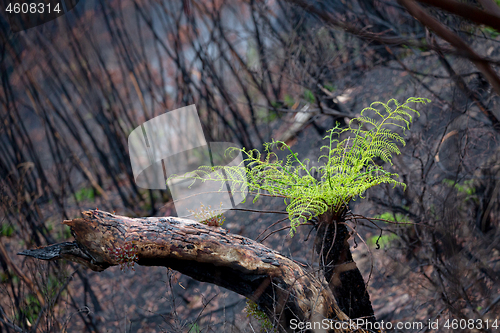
(340, 270)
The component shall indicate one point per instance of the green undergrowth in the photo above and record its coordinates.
(86, 193)
(394, 217)
(382, 241)
(253, 310)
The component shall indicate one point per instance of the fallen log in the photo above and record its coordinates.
(281, 287)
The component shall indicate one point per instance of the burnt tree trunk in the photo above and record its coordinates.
(281, 287)
(340, 270)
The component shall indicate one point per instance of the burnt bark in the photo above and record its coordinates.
(340, 270)
(281, 287)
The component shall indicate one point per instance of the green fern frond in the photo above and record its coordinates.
(346, 170)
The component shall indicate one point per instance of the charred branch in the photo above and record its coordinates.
(281, 287)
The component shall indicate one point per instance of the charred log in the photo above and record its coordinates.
(281, 287)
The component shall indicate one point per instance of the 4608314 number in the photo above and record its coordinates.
(26, 14)
(32, 8)
(477, 324)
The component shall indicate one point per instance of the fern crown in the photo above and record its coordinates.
(346, 169)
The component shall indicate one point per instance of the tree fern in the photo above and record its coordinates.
(345, 171)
